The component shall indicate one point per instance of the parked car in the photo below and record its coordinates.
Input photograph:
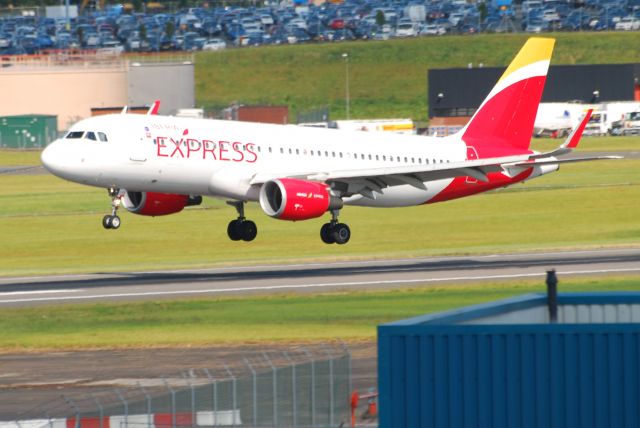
(214, 45)
(432, 30)
(628, 23)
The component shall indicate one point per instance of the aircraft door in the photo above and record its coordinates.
(139, 148)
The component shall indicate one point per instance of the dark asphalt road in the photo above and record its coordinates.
(374, 274)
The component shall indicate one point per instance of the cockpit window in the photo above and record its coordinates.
(75, 134)
(102, 136)
(91, 136)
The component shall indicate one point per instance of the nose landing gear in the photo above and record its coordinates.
(335, 232)
(113, 221)
(241, 229)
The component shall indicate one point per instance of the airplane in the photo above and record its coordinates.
(157, 165)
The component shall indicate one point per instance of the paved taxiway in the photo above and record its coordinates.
(312, 277)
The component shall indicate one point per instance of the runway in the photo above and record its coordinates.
(313, 277)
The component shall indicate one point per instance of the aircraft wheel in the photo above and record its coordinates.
(341, 233)
(115, 222)
(326, 233)
(234, 231)
(106, 222)
(248, 230)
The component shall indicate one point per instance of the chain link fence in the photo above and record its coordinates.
(300, 388)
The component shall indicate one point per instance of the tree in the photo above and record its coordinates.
(80, 33)
(137, 5)
(482, 8)
(380, 19)
(169, 28)
(143, 32)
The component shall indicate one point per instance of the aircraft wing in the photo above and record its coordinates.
(369, 181)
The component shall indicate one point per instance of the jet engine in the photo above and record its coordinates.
(293, 199)
(156, 204)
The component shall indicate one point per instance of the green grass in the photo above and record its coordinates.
(387, 79)
(52, 226)
(591, 144)
(287, 317)
(19, 157)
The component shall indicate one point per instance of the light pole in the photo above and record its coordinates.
(346, 62)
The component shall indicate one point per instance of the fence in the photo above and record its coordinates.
(297, 389)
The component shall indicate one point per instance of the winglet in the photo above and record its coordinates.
(124, 110)
(154, 108)
(574, 138)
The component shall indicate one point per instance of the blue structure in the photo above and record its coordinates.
(504, 364)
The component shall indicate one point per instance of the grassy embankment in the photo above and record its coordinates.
(284, 318)
(52, 226)
(387, 79)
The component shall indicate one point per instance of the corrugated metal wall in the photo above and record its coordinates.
(544, 375)
(171, 83)
(464, 89)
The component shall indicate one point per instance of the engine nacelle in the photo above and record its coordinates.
(293, 199)
(156, 204)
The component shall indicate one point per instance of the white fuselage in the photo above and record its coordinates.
(220, 158)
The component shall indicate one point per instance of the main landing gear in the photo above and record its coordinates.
(335, 232)
(241, 228)
(113, 221)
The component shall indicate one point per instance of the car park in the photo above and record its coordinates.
(191, 29)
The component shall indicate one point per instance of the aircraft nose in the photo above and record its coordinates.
(53, 157)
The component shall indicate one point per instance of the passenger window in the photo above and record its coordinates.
(290, 151)
(281, 150)
(377, 157)
(297, 151)
(103, 137)
(91, 136)
(340, 155)
(269, 149)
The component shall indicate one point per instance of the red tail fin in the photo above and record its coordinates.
(503, 124)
